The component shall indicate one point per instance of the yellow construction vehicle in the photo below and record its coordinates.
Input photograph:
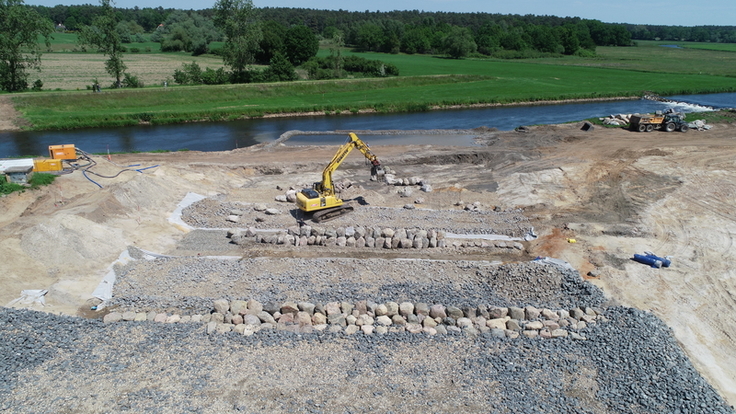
(321, 200)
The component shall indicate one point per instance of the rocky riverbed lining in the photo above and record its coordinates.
(248, 317)
(629, 364)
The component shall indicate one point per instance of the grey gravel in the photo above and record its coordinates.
(210, 213)
(53, 364)
(189, 285)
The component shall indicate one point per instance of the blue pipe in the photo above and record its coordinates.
(648, 260)
(141, 169)
(84, 173)
(665, 262)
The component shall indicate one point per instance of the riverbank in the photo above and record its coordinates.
(511, 83)
(10, 118)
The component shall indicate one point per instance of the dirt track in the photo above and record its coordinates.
(615, 192)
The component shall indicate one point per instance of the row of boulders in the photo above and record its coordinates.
(249, 317)
(391, 179)
(306, 235)
(360, 237)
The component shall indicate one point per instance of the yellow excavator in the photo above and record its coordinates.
(321, 200)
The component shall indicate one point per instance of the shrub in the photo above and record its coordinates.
(7, 188)
(214, 77)
(39, 179)
(324, 68)
(130, 81)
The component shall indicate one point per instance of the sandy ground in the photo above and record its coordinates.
(615, 192)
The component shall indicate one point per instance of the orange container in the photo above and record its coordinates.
(46, 165)
(63, 152)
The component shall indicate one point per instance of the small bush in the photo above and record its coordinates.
(143, 117)
(214, 77)
(7, 188)
(130, 81)
(39, 179)
(36, 180)
(325, 68)
(585, 53)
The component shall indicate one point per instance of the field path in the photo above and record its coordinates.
(8, 115)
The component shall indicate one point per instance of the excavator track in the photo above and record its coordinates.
(331, 213)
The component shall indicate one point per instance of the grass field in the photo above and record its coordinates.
(425, 81)
(75, 71)
(724, 47)
(651, 56)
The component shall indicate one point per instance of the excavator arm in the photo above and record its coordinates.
(326, 187)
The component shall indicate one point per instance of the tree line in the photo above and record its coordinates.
(285, 38)
(714, 34)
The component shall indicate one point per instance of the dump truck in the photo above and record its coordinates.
(665, 122)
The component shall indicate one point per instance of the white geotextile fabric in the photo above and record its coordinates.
(187, 201)
(104, 289)
(29, 297)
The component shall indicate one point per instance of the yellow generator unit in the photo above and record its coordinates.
(46, 165)
(63, 152)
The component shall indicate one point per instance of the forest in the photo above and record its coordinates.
(455, 34)
(412, 31)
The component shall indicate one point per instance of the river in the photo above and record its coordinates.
(221, 136)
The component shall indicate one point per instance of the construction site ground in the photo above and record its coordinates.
(593, 198)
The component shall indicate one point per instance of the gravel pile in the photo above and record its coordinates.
(209, 213)
(52, 364)
(191, 284)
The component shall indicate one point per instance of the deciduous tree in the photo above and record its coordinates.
(238, 20)
(20, 28)
(459, 43)
(300, 44)
(103, 34)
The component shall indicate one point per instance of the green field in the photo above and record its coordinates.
(724, 47)
(651, 56)
(425, 82)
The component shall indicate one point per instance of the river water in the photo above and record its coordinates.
(221, 136)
